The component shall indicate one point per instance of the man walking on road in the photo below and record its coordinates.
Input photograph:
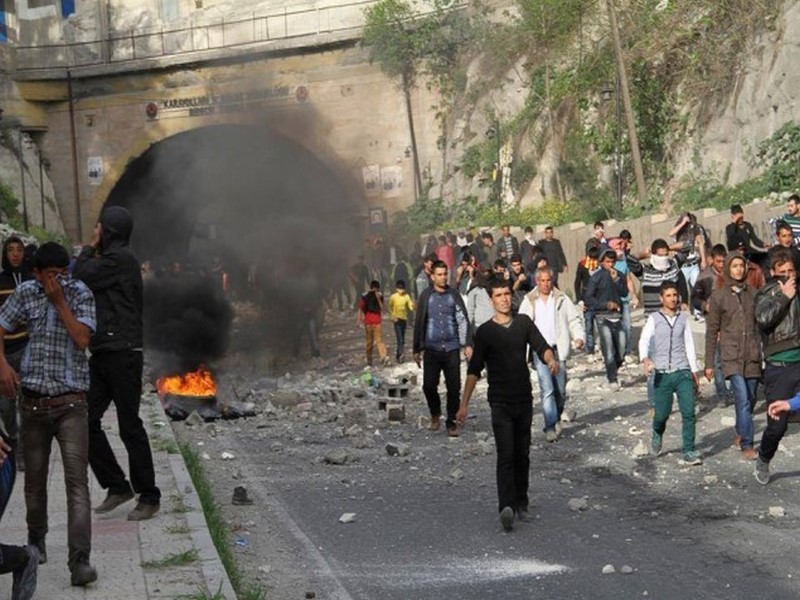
(54, 377)
(112, 272)
(441, 329)
(778, 319)
(501, 345)
(561, 324)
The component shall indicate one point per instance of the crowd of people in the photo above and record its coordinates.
(500, 306)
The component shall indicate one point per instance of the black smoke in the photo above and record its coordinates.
(284, 222)
(188, 323)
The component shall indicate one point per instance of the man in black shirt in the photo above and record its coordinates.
(501, 345)
(556, 259)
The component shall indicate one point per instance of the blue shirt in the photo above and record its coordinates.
(52, 363)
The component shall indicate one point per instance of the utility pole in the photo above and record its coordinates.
(636, 156)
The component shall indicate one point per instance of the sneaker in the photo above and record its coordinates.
(692, 458)
(41, 547)
(507, 518)
(559, 428)
(82, 574)
(761, 471)
(452, 431)
(551, 435)
(655, 443)
(112, 501)
(142, 511)
(568, 416)
(25, 577)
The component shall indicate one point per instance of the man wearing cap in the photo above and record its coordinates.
(112, 272)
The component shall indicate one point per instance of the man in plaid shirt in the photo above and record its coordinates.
(54, 377)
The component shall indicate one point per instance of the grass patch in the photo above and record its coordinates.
(177, 528)
(174, 560)
(202, 595)
(219, 531)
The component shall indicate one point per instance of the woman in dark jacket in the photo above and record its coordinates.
(731, 323)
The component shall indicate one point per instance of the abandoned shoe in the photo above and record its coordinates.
(25, 577)
(112, 501)
(83, 574)
(142, 511)
(240, 497)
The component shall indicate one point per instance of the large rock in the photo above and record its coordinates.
(286, 398)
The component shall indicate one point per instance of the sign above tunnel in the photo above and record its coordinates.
(229, 102)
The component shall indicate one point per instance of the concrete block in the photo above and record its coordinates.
(396, 412)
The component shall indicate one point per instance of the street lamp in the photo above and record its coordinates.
(493, 133)
(608, 91)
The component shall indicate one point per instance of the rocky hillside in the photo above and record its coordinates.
(710, 81)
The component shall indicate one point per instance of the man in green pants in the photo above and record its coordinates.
(672, 358)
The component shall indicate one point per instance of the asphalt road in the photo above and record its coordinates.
(426, 524)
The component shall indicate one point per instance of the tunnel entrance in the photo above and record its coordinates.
(279, 219)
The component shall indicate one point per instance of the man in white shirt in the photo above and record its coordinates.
(561, 325)
(672, 360)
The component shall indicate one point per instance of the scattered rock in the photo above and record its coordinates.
(397, 449)
(728, 421)
(286, 398)
(609, 569)
(227, 456)
(240, 497)
(640, 450)
(578, 504)
(194, 419)
(709, 479)
(355, 416)
(777, 512)
(337, 456)
(353, 430)
(303, 407)
(276, 447)
(456, 474)
(363, 442)
(626, 570)
(347, 518)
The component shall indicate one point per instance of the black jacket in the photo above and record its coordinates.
(114, 275)
(778, 319)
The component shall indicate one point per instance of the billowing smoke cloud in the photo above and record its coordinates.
(187, 325)
(283, 222)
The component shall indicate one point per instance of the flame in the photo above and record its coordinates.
(197, 383)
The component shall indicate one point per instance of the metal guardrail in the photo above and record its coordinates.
(208, 36)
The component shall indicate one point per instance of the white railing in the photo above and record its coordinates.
(219, 34)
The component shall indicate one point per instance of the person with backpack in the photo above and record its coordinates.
(370, 315)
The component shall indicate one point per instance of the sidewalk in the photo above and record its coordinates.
(119, 546)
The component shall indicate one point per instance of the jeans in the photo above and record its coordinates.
(780, 383)
(690, 273)
(552, 390)
(588, 321)
(400, 335)
(612, 344)
(720, 387)
(69, 426)
(744, 395)
(511, 424)
(434, 362)
(627, 327)
(680, 383)
(374, 337)
(116, 376)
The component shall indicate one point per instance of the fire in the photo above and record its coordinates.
(197, 383)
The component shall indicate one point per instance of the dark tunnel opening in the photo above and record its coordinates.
(281, 221)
